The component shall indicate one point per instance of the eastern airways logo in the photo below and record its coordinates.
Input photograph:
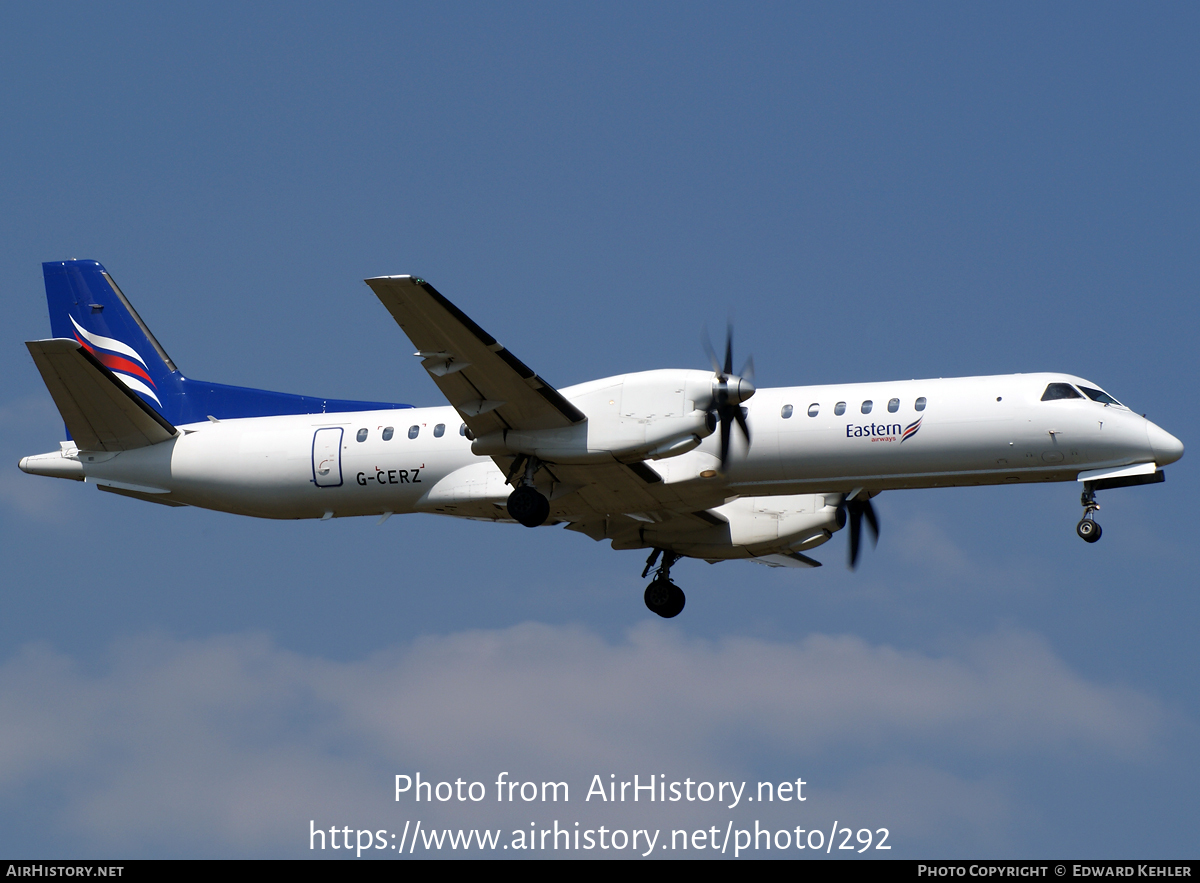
(132, 373)
(884, 432)
(911, 429)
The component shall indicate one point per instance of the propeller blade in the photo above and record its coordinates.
(855, 511)
(711, 353)
(726, 421)
(855, 518)
(740, 416)
(728, 393)
(872, 521)
(748, 370)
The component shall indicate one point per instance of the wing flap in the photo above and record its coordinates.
(786, 559)
(101, 412)
(490, 387)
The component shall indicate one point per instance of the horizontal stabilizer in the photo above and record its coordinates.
(101, 412)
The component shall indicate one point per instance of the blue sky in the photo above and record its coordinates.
(873, 192)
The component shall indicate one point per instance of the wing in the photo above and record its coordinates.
(618, 501)
(489, 387)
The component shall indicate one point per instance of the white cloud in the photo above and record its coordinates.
(229, 745)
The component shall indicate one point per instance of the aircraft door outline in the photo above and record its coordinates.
(327, 457)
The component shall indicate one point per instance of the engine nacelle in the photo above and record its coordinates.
(755, 526)
(799, 521)
(645, 416)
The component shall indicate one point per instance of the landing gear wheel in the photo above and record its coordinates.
(665, 598)
(528, 506)
(1088, 530)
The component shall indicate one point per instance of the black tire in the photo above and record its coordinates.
(528, 507)
(675, 605)
(664, 598)
(540, 513)
(1088, 530)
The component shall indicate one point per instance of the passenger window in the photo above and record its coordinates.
(439, 430)
(414, 431)
(866, 406)
(814, 409)
(362, 435)
(894, 406)
(919, 404)
(839, 408)
(1099, 395)
(785, 412)
(388, 431)
(462, 430)
(1057, 391)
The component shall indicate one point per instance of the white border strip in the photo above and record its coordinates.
(137, 386)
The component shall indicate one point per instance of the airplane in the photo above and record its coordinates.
(647, 460)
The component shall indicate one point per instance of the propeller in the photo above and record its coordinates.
(728, 393)
(852, 510)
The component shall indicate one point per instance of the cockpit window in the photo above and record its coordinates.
(1099, 395)
(1060, 391)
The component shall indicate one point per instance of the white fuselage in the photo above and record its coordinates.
(973, 431)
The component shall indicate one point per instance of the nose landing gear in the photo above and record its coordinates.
(663, 596)
(1088, 529)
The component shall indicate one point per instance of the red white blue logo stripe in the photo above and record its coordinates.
(911, 429)
(120, 358)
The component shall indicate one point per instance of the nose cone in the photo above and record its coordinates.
(745, 389)
(1167, 448)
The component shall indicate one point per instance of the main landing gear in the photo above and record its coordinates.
(663, 596)
(1088, 529)
(526, 504)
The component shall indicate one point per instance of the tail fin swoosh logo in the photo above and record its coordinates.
(107, 343)
(911, 429)
(132, 374)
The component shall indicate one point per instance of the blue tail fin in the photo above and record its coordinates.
(87, 306)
